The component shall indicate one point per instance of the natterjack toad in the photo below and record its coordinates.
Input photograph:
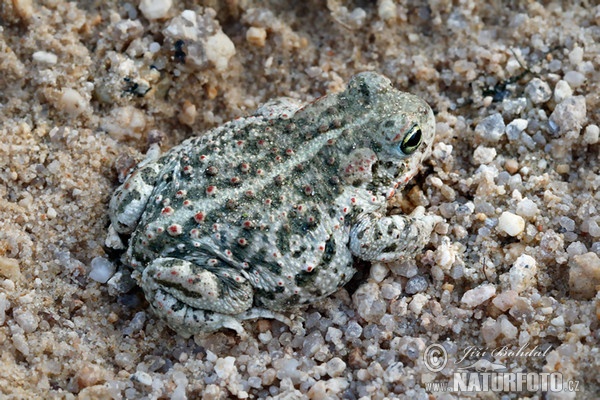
(266, 212)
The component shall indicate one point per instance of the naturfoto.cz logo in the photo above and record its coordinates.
(474, 373)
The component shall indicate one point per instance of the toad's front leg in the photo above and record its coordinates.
(395, 237)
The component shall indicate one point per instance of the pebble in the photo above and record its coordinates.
(20, 342)
(445, 255)
(72, 102)
(484, 155)
(155, 9)
(507, 328)
(416, 284)
(576, 249)
(567, 223)
(378, 272)
(25, 319)
(522, 274)
(205, 42)
(584, 275)
(505, 300)
(474, 297)
(576, 56)
(4, 306)
(125, 122)
(225, 367)
(219, 50)
(538, 91)
(417, 303)
(136, 324)
(562, 90)
(312, 343)
(44, 57)
(510, 223)
(256, 36)
(188, 113)
(391, 291)
(591, 135)
(335, 367)
(569, 115)
(491, 128)
(9, 268)
(591, 226)
(353, 330)
(514, 106)
(102, 269)
(386, 10)
(368, 302)
(142, 378)
(515, 127)
(511, 166)
(574, 79)
(527, 208)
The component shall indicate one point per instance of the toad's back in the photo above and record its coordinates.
(263, 196)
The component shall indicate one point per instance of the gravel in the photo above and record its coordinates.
(514, 172)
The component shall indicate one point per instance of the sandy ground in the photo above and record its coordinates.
(86, 86)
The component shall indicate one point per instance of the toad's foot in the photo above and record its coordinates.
(393, 237)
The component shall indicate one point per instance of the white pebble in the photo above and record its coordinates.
(510, 223)
(155, 9)
(390, 291)
(20, 342)
(574, 79)
(591, 135)
(45, 57)
(474, 297)
(507, 328)
(576, 56)
(256, 36)
(491, 128)
(219, 49)
(25, 319)
(125, 122)
(417, 303)
(593, 228)
(142, 377)
(562, 90)
(576, 249)
(335, 367)
(522, 274)
(225, 367)
(154, 47)
(386, 10)
(102, 269)
(527, 208)
(378, 272)
(558, 321)
(538, 91)
(72, 102)
(4, 305)
(484, 155)
(515, 127)
(569, 115)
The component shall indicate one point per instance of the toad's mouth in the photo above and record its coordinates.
(389, 176)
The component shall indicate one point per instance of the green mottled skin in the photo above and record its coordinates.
(266, 212)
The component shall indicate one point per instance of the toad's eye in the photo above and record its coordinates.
(412, 140)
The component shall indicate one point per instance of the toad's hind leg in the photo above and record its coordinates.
(193, 299)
